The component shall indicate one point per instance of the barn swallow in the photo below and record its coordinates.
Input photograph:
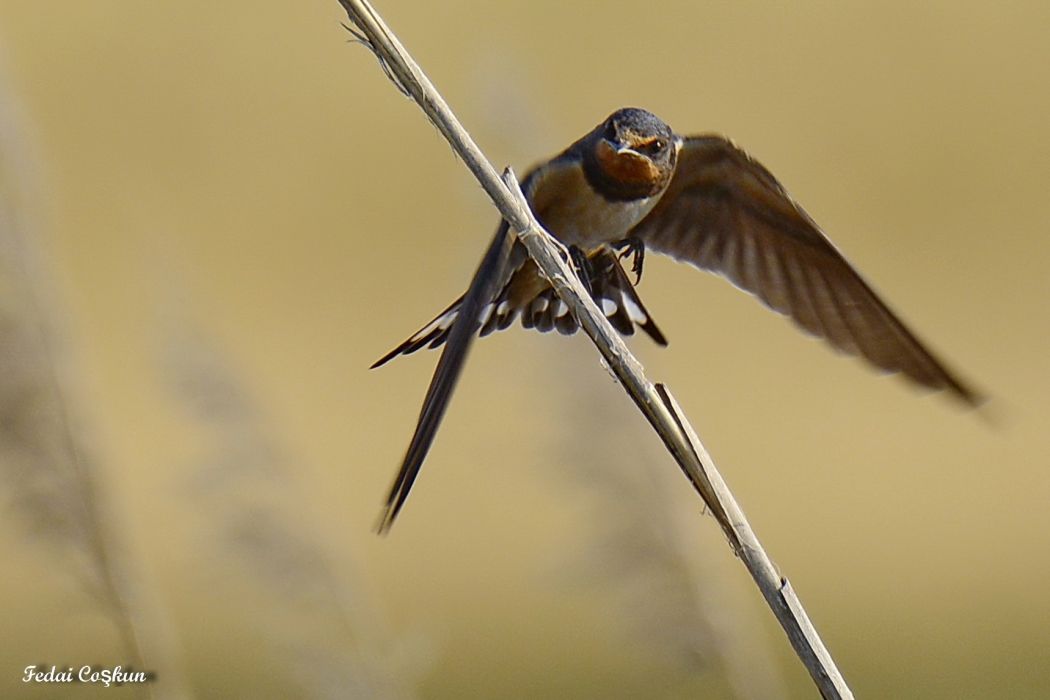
(632, 185)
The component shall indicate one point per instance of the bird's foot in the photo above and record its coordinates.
(634, 248)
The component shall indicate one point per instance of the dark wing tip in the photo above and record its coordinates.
(434, 333)
(387, 517)
(399, 491)
(992, 414)
(655, 333)
(966, 394)
(387, 357)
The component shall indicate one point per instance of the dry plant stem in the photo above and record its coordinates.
(653, 400)
(775, 589)
(411, 78)
(39, 416)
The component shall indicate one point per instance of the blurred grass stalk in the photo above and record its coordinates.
(645, 546)
(53, 481)
(329, 636)
(654, 401)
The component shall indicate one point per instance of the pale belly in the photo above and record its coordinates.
(592, 220)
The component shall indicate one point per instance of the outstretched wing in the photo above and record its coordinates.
(725, 213)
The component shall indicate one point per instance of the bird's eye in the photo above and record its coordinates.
(610, 132)
(654, 147)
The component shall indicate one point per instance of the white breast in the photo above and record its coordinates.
(576, 215)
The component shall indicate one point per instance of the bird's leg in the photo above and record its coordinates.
(583, 267)
(634, 247)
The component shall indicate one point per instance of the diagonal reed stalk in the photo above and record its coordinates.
(654, 400)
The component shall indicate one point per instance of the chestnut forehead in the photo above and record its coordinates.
(636, 138)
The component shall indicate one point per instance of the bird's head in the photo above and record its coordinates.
(631, 154)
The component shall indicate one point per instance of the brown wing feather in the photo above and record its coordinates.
(725, 213)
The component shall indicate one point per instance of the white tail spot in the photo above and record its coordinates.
(445, 321)
(634, 311)
(430, 328)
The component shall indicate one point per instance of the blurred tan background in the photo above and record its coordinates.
(221, 213)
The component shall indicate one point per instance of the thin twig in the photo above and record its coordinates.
(655, 401)
(675, 598)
